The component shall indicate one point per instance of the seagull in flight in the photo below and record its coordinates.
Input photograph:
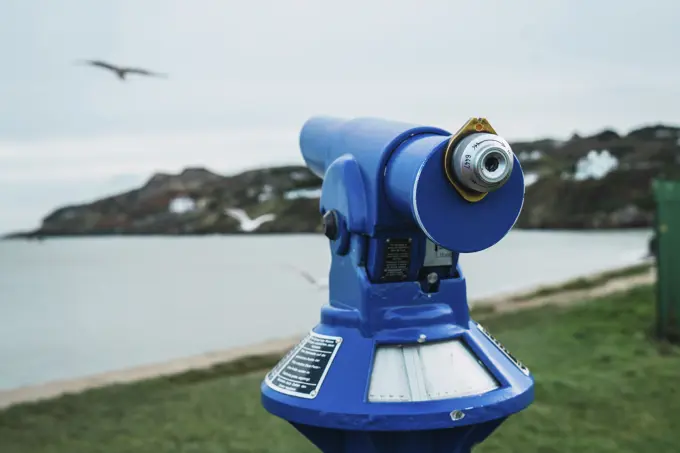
(246, 223)
(318, 283)
(122, 71)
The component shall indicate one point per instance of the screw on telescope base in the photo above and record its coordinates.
(429, 280)
(330, 225)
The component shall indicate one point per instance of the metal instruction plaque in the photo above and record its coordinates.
(397, 260)
(302, 371)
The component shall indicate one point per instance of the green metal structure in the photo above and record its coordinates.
(667, 251)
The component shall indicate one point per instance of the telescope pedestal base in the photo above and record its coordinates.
(454, 440)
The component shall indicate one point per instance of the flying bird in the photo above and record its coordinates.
(318, 283)
(246, 223)
(122, 71)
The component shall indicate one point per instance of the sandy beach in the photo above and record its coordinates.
(501, 304)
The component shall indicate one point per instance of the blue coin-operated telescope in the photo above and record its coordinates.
(396, 364)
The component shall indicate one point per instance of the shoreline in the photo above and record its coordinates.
(559, 294)
(54, 389)
(36, 235)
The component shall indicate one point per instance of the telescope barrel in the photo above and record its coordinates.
(369, 140)
(405, 166)
(316, 141)
(405, 169)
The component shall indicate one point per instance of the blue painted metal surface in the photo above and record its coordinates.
(385, 181)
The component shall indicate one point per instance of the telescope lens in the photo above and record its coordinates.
(482, 162)
(491, 164)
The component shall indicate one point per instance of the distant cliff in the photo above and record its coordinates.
(567, 194)
(602, 181)
(194, 202)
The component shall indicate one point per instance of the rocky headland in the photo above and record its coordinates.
(596, 182)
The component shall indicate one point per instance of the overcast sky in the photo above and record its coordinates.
(244, 76)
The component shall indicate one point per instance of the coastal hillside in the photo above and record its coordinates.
(600, 181)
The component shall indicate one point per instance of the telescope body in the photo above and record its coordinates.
(395, 363)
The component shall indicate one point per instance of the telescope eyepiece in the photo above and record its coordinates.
(482, 162)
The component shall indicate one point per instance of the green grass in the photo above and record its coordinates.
(602, 386)
(585, 283)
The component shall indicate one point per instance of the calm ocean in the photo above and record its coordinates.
(74, 307)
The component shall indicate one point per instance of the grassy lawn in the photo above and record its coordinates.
(602, 386)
